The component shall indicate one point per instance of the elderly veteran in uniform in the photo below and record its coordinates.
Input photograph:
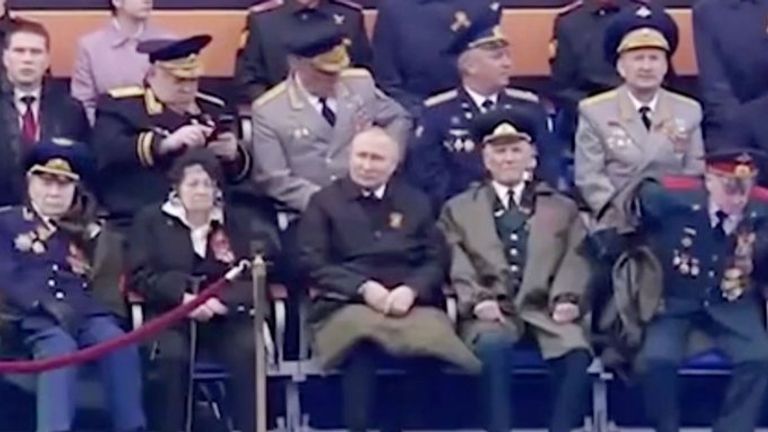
(377, 261)
(303, 127)
(443, 159)
(710, 238)
(517, 264)
(140, 130)
(639, 127)
(45, 250)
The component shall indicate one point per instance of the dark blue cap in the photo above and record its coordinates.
(640, 26)
(503, 124)
(173, 49)
(61, 157)
(476, 27)
(314, 38)
(321, 41)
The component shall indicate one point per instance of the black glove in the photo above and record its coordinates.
(64, 315)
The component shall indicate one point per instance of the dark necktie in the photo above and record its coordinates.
(327, 112)
(720, 232)
(645, 116)
(28, 120)
(487, 105)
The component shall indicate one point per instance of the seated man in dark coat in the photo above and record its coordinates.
(710, 240)
(186, 243)
(376, 258)
(517, 265)
(45, 268)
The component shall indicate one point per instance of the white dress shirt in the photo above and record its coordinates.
(503, 192)
(478, 99)
(21, 107)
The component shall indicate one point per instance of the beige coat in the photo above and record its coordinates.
(555, 266)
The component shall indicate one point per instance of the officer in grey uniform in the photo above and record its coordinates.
(302, 128)
(638, 127)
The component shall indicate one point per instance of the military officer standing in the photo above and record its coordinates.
(444, 159)
(45, 251)
(710, 238)
(638, 127)
(517, 265)
(303, 127)
(140, 130)
(410, 41)
(262, 61)
(731, 38)
(578, 64)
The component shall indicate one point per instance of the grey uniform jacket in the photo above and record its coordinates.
(613, 146)
(297, 151)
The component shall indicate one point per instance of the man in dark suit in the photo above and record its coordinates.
(262, 60)
(140, 130)
(444, 159)
(710, 239)
(376, 258)
(31, 109)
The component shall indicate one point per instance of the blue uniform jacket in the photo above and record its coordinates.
(444, 160)
(39, 264)
(696, 261)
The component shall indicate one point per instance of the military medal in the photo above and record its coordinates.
(23, 242)
(618, 137)
(395, 220)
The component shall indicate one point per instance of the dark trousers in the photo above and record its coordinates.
(569, 377)
(57, 389)
(664, 350)
(229, 340)
(403, 402)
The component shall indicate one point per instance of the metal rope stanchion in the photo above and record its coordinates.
(190, 403)
(259, 278)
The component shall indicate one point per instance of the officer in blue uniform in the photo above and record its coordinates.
(410, 40)
(731, 41)
(44, 249)
(444, 159)
(710, 237)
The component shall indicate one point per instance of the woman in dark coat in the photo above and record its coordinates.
(175, 248)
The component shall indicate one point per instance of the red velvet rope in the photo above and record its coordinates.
(144, 332)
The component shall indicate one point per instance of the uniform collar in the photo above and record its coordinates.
(173, 207)
(478, 99)
(294, 7)
(353, 191)
(504, 193)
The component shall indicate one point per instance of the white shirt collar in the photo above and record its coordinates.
(314, 100)
(478, 99)
(18, 94)
(503, 192)
(731, 221)
(198, 235)
(378, 192)
(637, 104)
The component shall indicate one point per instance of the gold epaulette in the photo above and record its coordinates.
(569, 7)
(265, 6)
(598, 97)
(356, 73)
(211, 99)
(441, 97)
(270, 94)
(349, 3)
(685, 99)
(124, 92)
(521, 94)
